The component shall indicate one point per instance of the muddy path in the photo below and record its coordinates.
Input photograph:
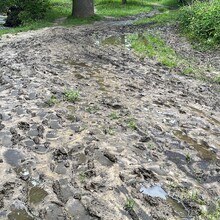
(140, 142)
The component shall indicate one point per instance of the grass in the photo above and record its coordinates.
(154, 47)
(114, 116)
(114, 8)
(160, 19)
(132, 124)
(71, 95)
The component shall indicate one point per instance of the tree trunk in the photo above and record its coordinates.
(124, 1)
(83, 8)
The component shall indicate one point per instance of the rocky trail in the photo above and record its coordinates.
(139, 141)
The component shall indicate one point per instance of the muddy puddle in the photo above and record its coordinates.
(19, 214)
(117, 40)
(123, 40)
(212, 120)
(37, 194)
(203, 151)
(158, 192)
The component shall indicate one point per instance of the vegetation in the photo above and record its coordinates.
(71, 95)
(163, 18)
(201, 21)
(22, 11)
(129, 203)
(52, 101)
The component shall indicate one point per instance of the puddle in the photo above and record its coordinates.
(154, 191)
(19, 214)
(204, 153)
(210, 119)
(124, 40)
(179, 209)
(118, 40)
(157, 191)
(13, 157)
(37, 194)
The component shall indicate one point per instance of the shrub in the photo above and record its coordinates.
(23, 11)
(201, 20)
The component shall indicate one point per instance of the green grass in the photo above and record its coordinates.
(154, 47)
(114, 8)
(163, 18)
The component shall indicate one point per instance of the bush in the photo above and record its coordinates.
(201, 21)
(23, 11)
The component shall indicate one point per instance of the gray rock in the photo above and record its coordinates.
(60, 169)
(54, 124)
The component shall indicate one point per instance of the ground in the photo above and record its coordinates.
(94, 131)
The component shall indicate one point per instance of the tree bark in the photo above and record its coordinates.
(83, 8)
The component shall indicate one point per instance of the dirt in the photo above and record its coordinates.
(137, 127)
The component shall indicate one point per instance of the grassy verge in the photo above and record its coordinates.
(163, 18)
(154, 47)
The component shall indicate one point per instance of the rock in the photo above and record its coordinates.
(1, 126)
(36, 140)
(23, 126)
(76, 209)
(60, 169)
(54, 124)
(110, 156)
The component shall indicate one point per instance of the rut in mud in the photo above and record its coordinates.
(140, 141)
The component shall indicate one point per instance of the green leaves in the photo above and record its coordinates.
(201, 21)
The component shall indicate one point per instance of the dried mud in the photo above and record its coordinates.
(141, 142)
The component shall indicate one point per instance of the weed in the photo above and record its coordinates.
(114, 116)
(217, 79)
(71, 95)
(151, 146)
(52, 101)
(188, 157)
(132, 124)
(214, 215)
(129, 203)
(92, 109)
(82, 177)
(110, 131)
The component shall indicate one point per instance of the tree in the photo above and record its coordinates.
(124, 1)
(83, 8)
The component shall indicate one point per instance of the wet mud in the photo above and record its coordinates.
(140, 142)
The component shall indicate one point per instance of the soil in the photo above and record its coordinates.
(140, 142)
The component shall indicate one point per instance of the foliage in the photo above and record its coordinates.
(201, 21)
(28, 10)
